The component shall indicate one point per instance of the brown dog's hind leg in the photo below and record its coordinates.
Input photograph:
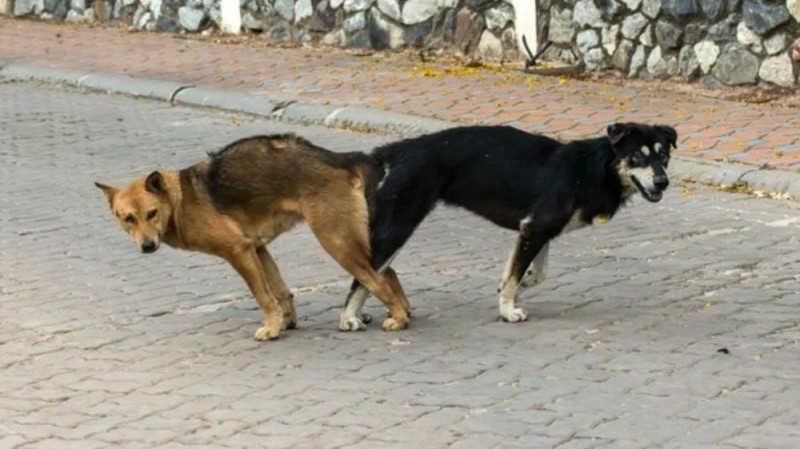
(278, 287)
(246, 262)
(381, 287)
(345, 238)
(397, 289)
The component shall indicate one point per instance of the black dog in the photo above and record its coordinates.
(520, 181)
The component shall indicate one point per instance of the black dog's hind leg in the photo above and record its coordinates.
(532, 242)
(537, 272)
(390, 231)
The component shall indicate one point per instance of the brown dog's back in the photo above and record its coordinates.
(258, 173)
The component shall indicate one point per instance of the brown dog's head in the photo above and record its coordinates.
(142, 208)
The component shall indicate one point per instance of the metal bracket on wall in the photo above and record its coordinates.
(532, 59)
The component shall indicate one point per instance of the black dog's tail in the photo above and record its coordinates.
(373, 172)
(408, 191)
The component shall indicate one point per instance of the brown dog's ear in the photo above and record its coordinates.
(617, 132)
(109, 191)
(155, 183)
(670, 133)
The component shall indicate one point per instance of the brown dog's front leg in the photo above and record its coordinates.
(247, 264)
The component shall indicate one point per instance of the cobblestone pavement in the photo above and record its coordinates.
(101, 346)
(709, 128)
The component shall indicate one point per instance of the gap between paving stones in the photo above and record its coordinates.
(685, 168)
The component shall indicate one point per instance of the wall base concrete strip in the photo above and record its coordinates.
(139, 87)
(707, 172)
(773, 181)
(313, 114)
(227, 100)
(386, 121)
(13, 70)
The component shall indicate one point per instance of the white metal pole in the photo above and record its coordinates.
(231, 16)
(525, 25)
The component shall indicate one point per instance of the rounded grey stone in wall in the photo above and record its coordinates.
(763, 18)
(736, 66)
(668, 35)
(190, 18)
(778, 70)
(302, 10)
(651, 8)
(725, 30)
(775, 44)
(498, 18)
(680, 9)
(623, 54)
(688, 65)
(794, 8)
(416, 11)
(391, 8)
(469, 26)
(647, 38)
(594, 59)
(707, 53)
(633, 5)
(285, 9)
(24, 7)
(355, 22)
(383, 33)
(587, 39)
(747, 37)
(637, 60)
(610, 36)
(713, 9)
(562, 28)
(609, 9)
(356, 5)
(692, 33)
(479, 4)
(490, 46)
(633, 25)
(586, 13)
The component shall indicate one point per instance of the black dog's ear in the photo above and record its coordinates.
(670, 133)
(155, 183)
(617, 132)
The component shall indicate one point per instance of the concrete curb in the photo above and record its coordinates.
(360, 119)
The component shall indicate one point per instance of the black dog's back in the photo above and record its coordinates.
(469, 167)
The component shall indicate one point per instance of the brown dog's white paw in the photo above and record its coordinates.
(265, 333)
(393, 324)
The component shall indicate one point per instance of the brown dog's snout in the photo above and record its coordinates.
(149, 246)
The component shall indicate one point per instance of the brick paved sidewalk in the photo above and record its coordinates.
(709, 128)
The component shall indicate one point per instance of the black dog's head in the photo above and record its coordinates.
(643, 152)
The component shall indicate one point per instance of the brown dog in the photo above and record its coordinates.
(241, 198)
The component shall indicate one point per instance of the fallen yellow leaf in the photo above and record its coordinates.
(687, 192)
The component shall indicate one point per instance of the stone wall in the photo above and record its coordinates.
(472, 26)
(720, 42)
(730, 42)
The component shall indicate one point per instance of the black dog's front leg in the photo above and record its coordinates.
(532, 239)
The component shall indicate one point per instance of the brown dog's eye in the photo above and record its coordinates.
(129, 219)
(152, 214)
